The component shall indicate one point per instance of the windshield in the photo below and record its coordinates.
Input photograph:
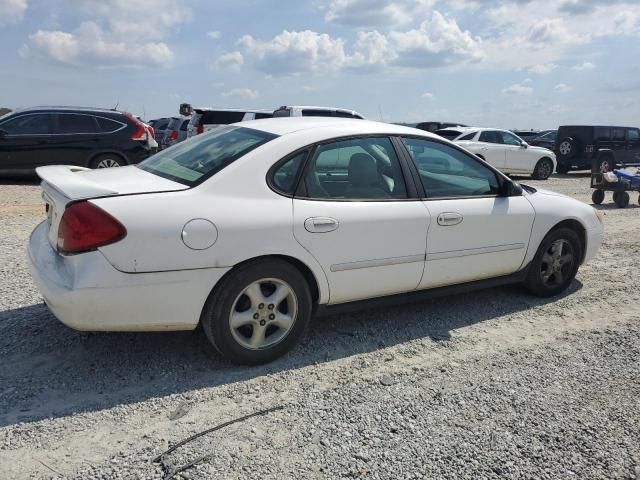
(193, 161)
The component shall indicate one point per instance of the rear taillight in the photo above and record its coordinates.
(141, 132)
(85, 227)
(173, 136)
(200, 129)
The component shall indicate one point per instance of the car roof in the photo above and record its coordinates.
(461, 129)
(247, 110)
(285, 125)
(67, 109)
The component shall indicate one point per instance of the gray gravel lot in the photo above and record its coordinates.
(492, 384)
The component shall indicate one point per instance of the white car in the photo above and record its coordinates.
(310, 111)
(250, 229)
(205, 119)
(508, 152)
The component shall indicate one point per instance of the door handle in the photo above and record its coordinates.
(321, 224)
(449, 219)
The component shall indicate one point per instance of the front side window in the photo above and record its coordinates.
(72, 123)
(510, 139)
(357, 169)
(36, 124)
(468, 136)
(284, 177)
(633, 134)
(448, 172)
(194, 161)
(490, 136)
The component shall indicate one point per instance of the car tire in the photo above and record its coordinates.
(108, 161)
(550, 271)
(597, 197)
(543, 170)
(244, 326)
(567, 147)
(622, 200)
(562, 169)
(606, 164)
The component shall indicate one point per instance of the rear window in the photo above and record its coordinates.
(107, 126)
(161, 124)
(192, 162)
(215, 117)
(448, 134)
(185, 124)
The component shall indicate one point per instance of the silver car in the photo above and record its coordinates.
(175, 132)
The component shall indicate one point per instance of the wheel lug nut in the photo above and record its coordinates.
(272, 316)
(261, 306)
(263, 322)
(271, 306)
(255, 316)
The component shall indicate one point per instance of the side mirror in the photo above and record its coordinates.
(511, 189)
(524, 144)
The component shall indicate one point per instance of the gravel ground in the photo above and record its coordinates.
(493, 384)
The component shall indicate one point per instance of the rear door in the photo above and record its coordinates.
(369, 231)
(475, 233)
(26, 143)
(76, 136)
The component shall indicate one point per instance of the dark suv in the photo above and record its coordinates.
(86, 137)
(579, 146)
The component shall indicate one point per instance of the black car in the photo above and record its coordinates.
(85, 137)
(433, 126)
(580, 145)
(526, 135)
(545, 139)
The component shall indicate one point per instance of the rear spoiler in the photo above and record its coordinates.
(65, 180)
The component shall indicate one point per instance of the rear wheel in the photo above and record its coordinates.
(597, 196)
(258, 312)
(107, 161)
(543, 170)
(556, 263)
(567, 147)
(622, 199)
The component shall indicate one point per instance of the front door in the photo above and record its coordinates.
(492, 149)
(518, 158)
(475, 233)
(353, 214)
(25, 142)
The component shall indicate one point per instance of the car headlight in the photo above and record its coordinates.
(599, 216)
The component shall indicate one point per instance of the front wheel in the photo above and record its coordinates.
(555, 264)
(258, 312)
(597, 196)
(543, 170)
(622, 199)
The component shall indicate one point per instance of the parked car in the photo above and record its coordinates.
(451, 133)
(205, 119)
(306, 111)
(159, 127)
(577, 146)
(434, 126)
(546, 139)
(526, 134)
(175, 132)
(508, 152)
(250, 229)
(84, 137)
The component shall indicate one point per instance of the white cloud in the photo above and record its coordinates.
(518, 89)
(88, 46)
(584, 66)
(231, 60)
(214, 35)
(244, 93)
(562, 88)
(295, 52)
(12, 11)
(376, 13)
(427, 96)
(542, 68)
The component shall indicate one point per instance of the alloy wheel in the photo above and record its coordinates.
(557, 263)
(565, 147)
(263, 314)
(107, 163)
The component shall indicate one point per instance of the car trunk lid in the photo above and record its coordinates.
(63, 184)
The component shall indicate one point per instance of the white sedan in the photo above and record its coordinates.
(250, 229)
(508, 152)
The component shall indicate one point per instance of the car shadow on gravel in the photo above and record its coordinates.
(50, 371)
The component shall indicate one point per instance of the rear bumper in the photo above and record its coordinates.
(86, 292)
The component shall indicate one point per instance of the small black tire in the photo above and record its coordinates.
(597, 197)
(614, 197)
(622, 199)
(543, 169)
(108, 161)
(534, 281)
(606, 164)
(216, 314)
(562, 168)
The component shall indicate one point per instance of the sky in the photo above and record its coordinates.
(494, 63)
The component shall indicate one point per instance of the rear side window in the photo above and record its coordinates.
(261, 115)
(618, 134)
(107, 126)
(468, 136)
(284, 177)
(72, 123)
(317, 113)
(342, 114)
(192, 162)
(216, 117)
(36, 124)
